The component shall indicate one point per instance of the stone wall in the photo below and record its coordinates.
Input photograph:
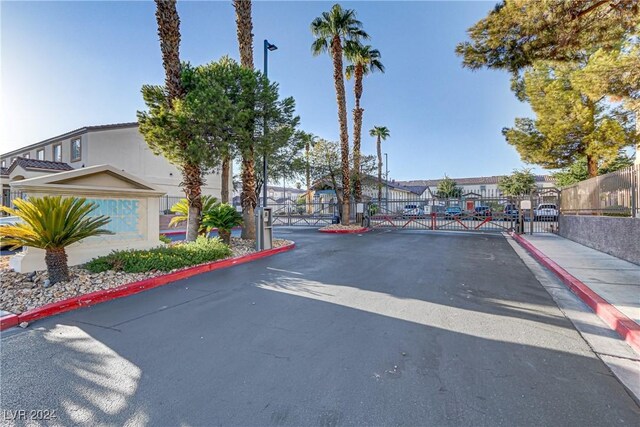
(619, 237)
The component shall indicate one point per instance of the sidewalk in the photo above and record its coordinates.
(609, 285)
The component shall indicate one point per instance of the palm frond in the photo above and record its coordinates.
(52, 222)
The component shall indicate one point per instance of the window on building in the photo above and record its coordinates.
(40, 154)
(57, 153)
(483, 188)
(4, 163)
(27, 155)
(75, 150)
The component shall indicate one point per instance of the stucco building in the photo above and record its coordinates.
(119, 145)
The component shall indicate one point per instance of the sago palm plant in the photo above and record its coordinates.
(224, 217)
(181, 209)
(52, 224)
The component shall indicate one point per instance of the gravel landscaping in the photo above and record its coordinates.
(22, 292)
(340, 227)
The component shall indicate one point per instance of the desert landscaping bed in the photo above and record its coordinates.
(21, 292)
(340, 228)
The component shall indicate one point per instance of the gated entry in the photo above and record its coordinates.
(470, 212)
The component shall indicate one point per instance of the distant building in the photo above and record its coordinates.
(483, 186)
(119, 145)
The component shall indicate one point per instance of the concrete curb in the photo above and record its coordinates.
(354, 231)
(618, 321)
(9, 321)
(98, 297)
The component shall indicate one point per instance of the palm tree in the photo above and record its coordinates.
(248, 197)
(181, 209)
(332, 30)
(169, 33)
(381, 133)
(364, 60)
(52, 223)
(224, 217)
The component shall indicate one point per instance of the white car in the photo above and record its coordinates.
(412, 210)
(546, 212)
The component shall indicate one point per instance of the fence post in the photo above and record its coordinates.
(532, 213)
(635, 177)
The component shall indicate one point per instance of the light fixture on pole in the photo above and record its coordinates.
(268, 47)
(386, 177)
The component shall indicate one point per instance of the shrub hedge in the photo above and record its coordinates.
(162, 258)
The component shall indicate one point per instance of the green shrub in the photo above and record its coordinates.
(224, 217)
(162, 258)
(165, 239)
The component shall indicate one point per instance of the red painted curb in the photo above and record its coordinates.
(127, 289)
(9, 321)
(355, 231)
(618, 321)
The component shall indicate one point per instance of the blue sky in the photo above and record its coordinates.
(65, 65)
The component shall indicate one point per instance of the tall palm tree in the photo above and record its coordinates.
(332, 30)
(52, 224)
(248, 197)
(169, 33)
(364, 60)
(381, 133)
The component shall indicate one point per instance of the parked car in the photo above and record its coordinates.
(546, 212)
(481, 212)
(510, 212)
(453, 212)
(8, 220)
(433, 209)
(412, 210)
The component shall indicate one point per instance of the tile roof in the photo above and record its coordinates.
(37, 164)
(471, 181)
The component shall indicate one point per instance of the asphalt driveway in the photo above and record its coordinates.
(386, 328)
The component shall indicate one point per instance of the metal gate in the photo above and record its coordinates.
(469, 212)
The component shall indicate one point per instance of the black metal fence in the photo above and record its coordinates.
(469, 212)
(166, 202)
(613, 194)
(9, 196)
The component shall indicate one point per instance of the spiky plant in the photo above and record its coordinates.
(52, 224)
(224, 217)
(181, 208)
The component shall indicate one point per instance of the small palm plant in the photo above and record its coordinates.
(182, 210)
(52, 224)
(223, 217)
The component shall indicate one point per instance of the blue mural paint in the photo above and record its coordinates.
(124, 214)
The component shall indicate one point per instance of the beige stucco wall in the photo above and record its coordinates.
(125, 149)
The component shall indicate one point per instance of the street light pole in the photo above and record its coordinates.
(386, 177)
(267, 47)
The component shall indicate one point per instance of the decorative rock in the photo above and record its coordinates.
(18, 293)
